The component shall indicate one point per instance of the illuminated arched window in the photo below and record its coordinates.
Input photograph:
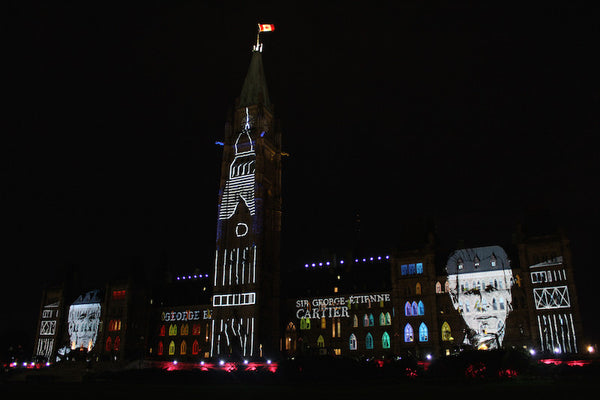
(371, 320)
(418, 288)
(366, 320)
(185, 329)
(183, 347)
(355, 321)
(382, 319)
(438, 287)
(195, 347)
(323, 323)
(320, 342)
(353, 344)
(108, 344)
(423, 332)
(407, 309)
(172, 330)
(421, 308)
(385, 340)
(446, 332)
(446, 286)
(419, 268)
(369, 341)
(415, 308)
(408, 334)
(172, 348)
(162, 331)
(388, 318)
(160, 348)
(117, 343)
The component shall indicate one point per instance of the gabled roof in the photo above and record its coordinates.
(254, 89)
(477, 259)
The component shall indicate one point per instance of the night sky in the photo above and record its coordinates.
(468, 120)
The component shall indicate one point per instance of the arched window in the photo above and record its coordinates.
(446, 332)
(160, 348)
(388, 318)
(323, 323)
(438, 287)
(419, 268)
(423, 332)
(196, 329)
(172, 348)
(117, 343)
(447, 287)
(195, 347)
(418, 288)
(355, 321)
(353, 344)
(183, 347)
(320, 342)
(366, 320)
(382, 319)
(385, 340)
(162, 331)
(408, 334)
(407, 309)
(415, 308)
(371, 320)
(305, 323)
(421, 307)
(185, 329)
(502, 303)
(494, 304)
(172, 330)
(369, 341)
(108, 344)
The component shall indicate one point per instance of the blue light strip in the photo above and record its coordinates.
(341, 262)
(190, 277)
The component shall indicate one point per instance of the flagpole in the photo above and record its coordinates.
(258, 46)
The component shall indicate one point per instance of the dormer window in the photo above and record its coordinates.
(493, 260)
(459, 263)
(476, 262)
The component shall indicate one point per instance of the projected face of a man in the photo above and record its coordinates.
(83, 325)
(483, 300)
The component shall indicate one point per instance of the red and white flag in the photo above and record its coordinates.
(266, 27)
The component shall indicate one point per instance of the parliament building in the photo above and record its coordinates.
(419, 302)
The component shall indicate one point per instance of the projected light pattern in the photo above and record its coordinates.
(240, 185)
(480, 281)
(84, 320)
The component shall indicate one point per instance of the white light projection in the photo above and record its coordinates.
(84, 320)
(236, 266)
(480, 281)
(240, 185)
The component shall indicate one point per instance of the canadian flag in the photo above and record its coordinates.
(266, 27)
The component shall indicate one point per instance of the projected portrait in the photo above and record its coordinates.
(480, 281)
(84, 319)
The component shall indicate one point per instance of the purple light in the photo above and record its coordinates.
(379, 258)
(320, 264)
(195, 276)
(305, 265)
(341, 261)
(313, 264)
(387, 257)
(206, 276)
(327, 263)
(177, 278)
(356, 260)
(371, 259)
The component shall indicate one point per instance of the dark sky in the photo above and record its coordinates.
(474, 118)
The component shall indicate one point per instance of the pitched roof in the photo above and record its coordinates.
(254, 89)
